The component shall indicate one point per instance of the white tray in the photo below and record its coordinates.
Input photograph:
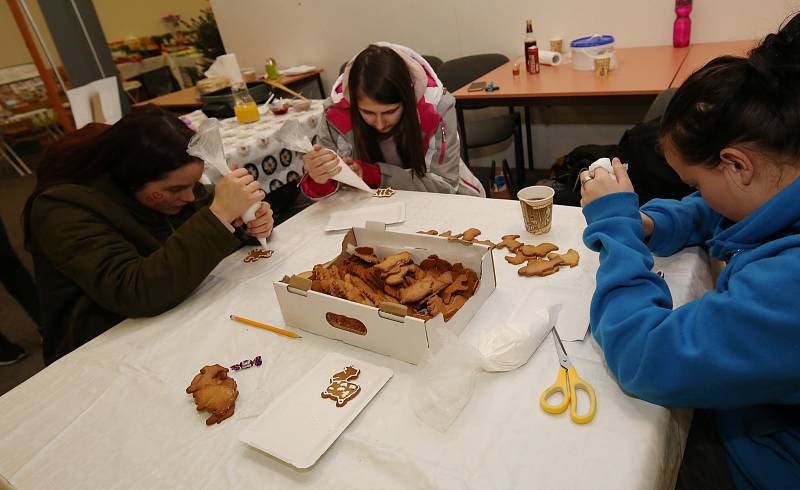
(356, 218)
(300, 425)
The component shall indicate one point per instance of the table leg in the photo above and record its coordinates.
(321, 87)
(528, 136)
(462, 132)
(519, 158)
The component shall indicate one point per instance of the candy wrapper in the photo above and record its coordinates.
(247, 363)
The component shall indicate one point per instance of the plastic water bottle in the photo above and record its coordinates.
(682, 29)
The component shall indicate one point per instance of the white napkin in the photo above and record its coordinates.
(226, 66)
(294, 138)
(80, 100)
(297, 70)
(605, 163)
(510, 346)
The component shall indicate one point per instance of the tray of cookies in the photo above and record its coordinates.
(386, 290)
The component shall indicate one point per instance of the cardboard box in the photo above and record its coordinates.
(384, 330)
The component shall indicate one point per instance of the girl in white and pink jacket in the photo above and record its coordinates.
(393, 122)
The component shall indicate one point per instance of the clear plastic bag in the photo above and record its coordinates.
(446, 380)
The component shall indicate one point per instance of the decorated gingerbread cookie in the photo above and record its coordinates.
(258, 254)
(387, 192)
(340, 388)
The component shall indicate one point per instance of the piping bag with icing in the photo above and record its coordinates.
(295, 139)
(206, 144)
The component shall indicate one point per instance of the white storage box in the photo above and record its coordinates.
(384, 330)
(586, 49)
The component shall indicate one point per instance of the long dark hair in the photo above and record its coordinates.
(141, 147)
(381, 74)
(734, 100)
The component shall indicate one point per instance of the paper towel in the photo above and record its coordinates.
(510, 346)
(549, 57)
(226, 66)
(605, 163)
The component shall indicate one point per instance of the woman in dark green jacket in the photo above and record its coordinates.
(119, 226)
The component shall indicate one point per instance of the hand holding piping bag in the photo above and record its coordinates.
(206, 145)
(323, 164)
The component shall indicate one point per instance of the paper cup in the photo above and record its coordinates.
(602, 64)
(536, 202)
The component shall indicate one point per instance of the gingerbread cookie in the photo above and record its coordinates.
(392, 261)
(571, 258)
(340, 388)
(469, 234)
(384, 192)
(510, 242)
(428, 232)
(516, 259)
(540, 267)
(397, 279)
(214, 392)
(258, 254)
(367, 254)
(540, 250)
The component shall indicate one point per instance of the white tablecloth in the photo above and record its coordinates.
(254, 147)
(114, 414)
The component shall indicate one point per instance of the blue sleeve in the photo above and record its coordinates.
(680, 224)
(727, 349)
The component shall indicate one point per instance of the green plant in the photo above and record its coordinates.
(205, 36)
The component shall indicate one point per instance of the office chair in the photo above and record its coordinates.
(458, 72)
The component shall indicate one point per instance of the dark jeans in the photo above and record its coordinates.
(16, 278)
(705, 463)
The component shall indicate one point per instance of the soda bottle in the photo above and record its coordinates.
(530, 40)
(682, 29)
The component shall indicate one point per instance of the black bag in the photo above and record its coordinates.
(651, 175)
(565, 172)
(649, 172)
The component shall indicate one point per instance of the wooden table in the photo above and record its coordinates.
(188, 98)
(700, 54)
(642, 74)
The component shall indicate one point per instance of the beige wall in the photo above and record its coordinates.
(121, 19)
(327, 33)
(12, 48)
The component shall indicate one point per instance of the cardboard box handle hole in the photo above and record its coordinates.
(346, 323)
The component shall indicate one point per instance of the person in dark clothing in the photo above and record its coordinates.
(119, 227)
(19, 283)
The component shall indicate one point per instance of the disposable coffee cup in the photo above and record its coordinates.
(536, 202)
(602, 65)
(248, 75)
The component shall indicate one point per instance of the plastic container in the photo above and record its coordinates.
(586, 49)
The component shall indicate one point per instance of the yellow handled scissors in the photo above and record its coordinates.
(568, 383)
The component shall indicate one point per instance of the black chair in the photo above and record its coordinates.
(458, 72)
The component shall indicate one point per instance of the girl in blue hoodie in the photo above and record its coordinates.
(732, 131)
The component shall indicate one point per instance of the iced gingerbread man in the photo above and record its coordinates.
(341, 389)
